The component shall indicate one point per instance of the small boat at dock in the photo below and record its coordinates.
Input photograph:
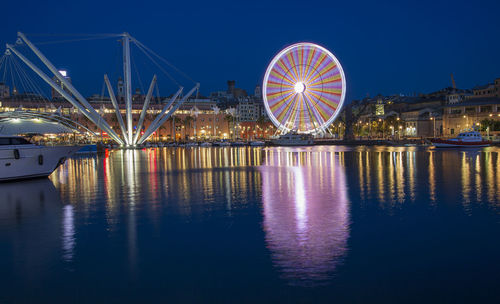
(257, 143)
(294, 139)
(468, 139)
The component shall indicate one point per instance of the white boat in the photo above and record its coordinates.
(205, 144)
(222, 143)
(20, 159)
(466, 139)
(191, 144)
(238, 144)
(257, 143)
(293, 139)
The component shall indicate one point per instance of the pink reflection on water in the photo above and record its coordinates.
(306, 214)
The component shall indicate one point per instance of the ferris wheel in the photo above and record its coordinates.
(304, 89)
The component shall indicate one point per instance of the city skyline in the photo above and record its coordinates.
(420, 43)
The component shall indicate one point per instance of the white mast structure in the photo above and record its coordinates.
(128, 86)
(129, 138)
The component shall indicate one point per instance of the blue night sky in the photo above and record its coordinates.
(386, 47)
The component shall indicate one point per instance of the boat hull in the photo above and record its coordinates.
(443, 143)
(292, 143)
(31, 161)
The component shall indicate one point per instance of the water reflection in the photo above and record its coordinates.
(37, 227)
(68, 237)
(394, 176)
(306, 213)
(161, 218)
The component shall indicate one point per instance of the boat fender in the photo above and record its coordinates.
(40, 159)
(16, 154)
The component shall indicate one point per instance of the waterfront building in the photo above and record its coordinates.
(470, 114)
(488, 90)
(250, 110)
(426, 122)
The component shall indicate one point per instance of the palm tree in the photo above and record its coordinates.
(159, 131)
(230, 119)
(187, 124)
(175, 120)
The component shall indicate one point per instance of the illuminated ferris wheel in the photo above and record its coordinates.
(304, 89)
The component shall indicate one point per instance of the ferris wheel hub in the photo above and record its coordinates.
(299, 87)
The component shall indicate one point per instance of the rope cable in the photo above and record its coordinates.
(69, 40)
(159, 66)
(30, 81)
(163, 59)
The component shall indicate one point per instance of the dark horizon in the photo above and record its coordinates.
(388, 48)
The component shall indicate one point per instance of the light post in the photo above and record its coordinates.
(434, 129)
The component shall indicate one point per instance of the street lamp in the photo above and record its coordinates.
(434, 128)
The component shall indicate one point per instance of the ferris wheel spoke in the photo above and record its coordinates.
(325, 78)
(279, 104)
(288, 111)
(285, 71)
(328, 81)
(301, 62)
(314, 68)
(332, 92)
(292, 65)
(281, 74)
(309, 63)
(322, 101)
(313, 118)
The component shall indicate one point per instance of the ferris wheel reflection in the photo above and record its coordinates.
(306, 213)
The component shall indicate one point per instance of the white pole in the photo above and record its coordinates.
(153, 126)
(117, 108)
(128, 87)
(90, 113)
(144, 110)
(162, 121)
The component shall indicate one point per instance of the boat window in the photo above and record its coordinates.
(4, 141)
(19, 141)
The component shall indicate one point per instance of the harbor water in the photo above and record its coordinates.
(322, 224)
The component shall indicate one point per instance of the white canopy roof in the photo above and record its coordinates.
(24, 126)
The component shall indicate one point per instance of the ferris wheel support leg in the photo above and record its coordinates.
(112, 96)
(90, 113)
(144, 110)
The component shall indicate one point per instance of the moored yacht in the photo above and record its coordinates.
(257, 143)
(464, 139)
(294, 139)
(20, 159)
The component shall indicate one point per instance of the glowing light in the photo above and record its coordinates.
(299, 87)
(63, 73)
